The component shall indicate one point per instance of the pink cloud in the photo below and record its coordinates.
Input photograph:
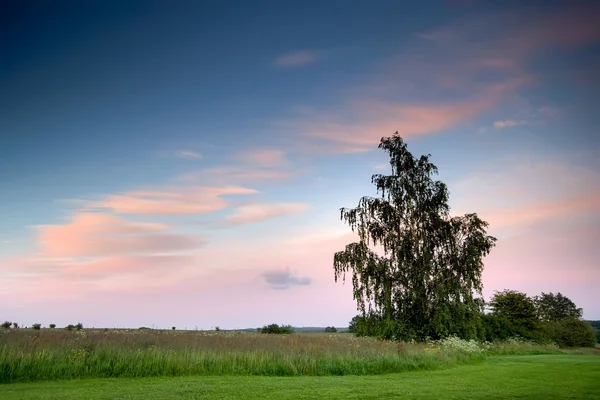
(232, 174)
(183, 200)
(453, 63)
(379, 118)
(543, 211)
(509, 123)
(256, 212)
(97, 235)
(296, 59)
(263, 157)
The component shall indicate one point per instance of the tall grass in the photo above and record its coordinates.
(28, 355)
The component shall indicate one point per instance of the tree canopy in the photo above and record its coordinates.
(556, 307)
(415, 267)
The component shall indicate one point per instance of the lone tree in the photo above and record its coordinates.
(426, 275)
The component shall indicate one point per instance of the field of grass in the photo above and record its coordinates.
(499, 377)
(49, 354)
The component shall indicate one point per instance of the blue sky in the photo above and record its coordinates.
(149, 148)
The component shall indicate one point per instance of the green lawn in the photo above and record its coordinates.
(524, 377)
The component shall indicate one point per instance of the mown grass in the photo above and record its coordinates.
(48, 354)
(500, 377)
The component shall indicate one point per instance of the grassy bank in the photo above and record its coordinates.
(526, 377)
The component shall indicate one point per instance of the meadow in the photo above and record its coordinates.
(28, 355)
(57, 363)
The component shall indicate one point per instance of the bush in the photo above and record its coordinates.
(574, 332)
(173, 328)
(276, 329)
(79, 326)
(331, 329)
(15, 325)
(69, 327)
(6, 324)
(52, 326)
(37, 327)
(496, 328)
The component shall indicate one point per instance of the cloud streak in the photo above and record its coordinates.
(259, 212)
(176, 201)
(100, 235)
(296, 59)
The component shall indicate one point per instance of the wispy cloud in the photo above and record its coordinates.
(172, 201)
(98, 235)
(508, 123)
(235, 175)
(189, 154)
(262, 157)
(258, 212)
(449, 77)
(528, 194)
(296, 59)
(284, 279)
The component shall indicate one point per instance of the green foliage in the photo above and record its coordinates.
(79, 326)
(70, 327)
(331, 329)
(424, 283)
(496, 327)
(555, 307)
(276, 329)
(6, 324)
(173, 328)
(571, 332)
(52, 326)
(37, 327)
(518, 310)
(15, 325)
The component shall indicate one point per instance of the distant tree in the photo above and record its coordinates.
(517, 309)
(173, 328)
(555, 307)
(79, 326)
(70, 327)
(428, 280)
(52, 326)
(276, 329)
(6, 324)
(37, 326)
(15, 325)
(331, 329)
(217, 329)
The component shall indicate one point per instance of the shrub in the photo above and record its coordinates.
(52, 326)
(37, 327)
(496, 327)
(15, 325)
(6, 324)
(330, 329)
(276, 329)
(574, 332)
(69, 327)
(173, 328)
(79, 326)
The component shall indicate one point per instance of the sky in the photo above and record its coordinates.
(183, 163)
